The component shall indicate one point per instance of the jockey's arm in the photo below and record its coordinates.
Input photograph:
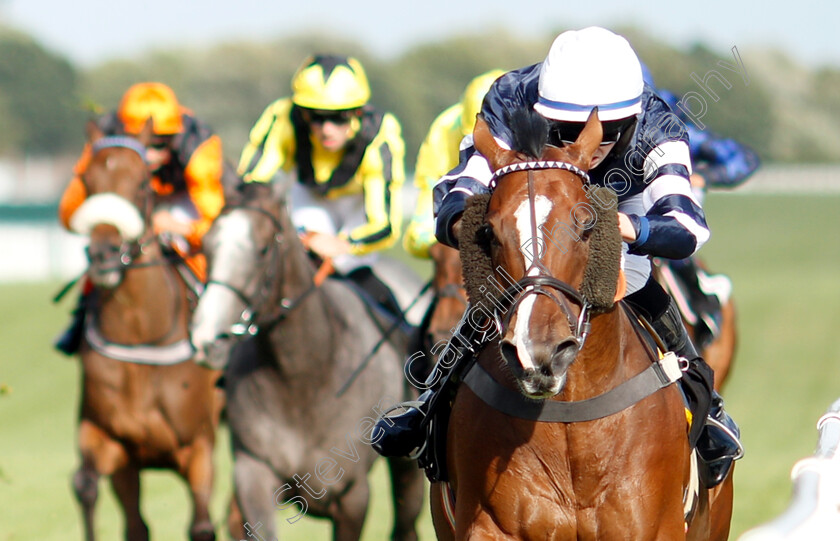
(437, 155)
(383, 174)
(268, 147)
(203, 175)
(470, 177)
(674, 224)
(75, 193)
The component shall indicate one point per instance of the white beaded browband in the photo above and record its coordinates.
(535, 165)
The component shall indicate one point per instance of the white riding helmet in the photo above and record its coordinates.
(588, 68)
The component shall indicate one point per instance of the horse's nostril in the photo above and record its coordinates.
(509, 353)
(564, 353)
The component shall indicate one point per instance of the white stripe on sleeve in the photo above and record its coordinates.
(668, 152)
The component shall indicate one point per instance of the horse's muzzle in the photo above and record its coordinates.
(544, 374)
(214, 355)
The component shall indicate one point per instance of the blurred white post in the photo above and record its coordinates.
(814, 510)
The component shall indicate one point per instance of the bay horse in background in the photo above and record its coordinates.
(539, 446)
(301, 430)
(448, 303)
(144, 403)
(719, 351)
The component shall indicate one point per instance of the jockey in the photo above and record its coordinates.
(717, 163)
(439, 154)
(188, 171)
(347, 157)
(643, 161)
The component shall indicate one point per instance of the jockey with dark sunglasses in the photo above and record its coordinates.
(645, 160)
(348, 160)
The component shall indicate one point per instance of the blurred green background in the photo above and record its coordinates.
(782, 253)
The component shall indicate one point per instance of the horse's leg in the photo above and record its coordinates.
(254, 484)
(720, 509)
(720, 353)
(443, 528)
(86, 488)
(198, 472)
(349, 515)
(126, 484)
(235, 520)
(407, 494)
(100, 456)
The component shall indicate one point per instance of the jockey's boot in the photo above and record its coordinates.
(70, 341)
(404, 434)
(401, 435)
(717, 439)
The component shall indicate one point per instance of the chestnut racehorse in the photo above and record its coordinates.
(568, 426)
(144, 403)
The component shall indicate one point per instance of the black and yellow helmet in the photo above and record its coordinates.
(329, 82)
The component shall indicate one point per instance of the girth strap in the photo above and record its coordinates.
(658, 375)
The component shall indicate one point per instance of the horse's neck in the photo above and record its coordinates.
(312, 318)
(149, 304)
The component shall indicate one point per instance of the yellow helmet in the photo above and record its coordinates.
(330, 83)
(155, 100)
(473, 96)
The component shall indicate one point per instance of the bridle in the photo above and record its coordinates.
(538, 279)
(252, 321)
(128, 251)
(124, 257)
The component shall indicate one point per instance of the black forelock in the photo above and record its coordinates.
(530, 131)
(329, 62)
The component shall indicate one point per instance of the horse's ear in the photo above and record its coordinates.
(146, 134)
(94, 133)
(590, 137)
(486, 144)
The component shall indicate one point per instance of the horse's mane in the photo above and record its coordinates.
(530, 131)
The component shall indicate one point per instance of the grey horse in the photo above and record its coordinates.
(299, 409)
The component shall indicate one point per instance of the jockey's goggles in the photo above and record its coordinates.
(339, 118)
(566, 133)
(160, 143)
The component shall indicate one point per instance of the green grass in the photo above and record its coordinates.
(781, 253)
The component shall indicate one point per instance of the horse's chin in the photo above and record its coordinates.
(105, 279)
(215, 355)
(540, 386)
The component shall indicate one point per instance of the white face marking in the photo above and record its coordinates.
(542, 206)
(234, 259)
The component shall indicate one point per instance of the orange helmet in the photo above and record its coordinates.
(155, 100)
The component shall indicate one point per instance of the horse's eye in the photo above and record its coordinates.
(485, 236)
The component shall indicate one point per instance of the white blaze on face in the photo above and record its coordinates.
(234, 260)
(542, 208)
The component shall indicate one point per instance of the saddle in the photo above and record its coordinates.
(699, 296)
